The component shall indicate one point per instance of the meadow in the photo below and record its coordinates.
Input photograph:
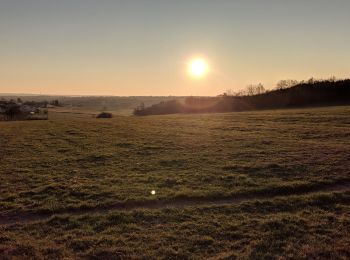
(265, 184)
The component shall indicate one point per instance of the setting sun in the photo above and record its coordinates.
(198, 68)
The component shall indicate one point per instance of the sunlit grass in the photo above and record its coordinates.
(76, 161)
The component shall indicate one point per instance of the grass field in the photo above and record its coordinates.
(65, 182)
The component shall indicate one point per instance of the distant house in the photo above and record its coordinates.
(17, 111)
(29, 110)
(26, 109)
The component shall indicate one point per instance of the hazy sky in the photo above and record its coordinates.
(114, 47)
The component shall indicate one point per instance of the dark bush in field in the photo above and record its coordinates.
(104, 115)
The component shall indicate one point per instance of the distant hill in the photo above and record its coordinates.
(310, 93)
(94, 103)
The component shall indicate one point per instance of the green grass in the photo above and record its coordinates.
(76, 161)
(306, 227)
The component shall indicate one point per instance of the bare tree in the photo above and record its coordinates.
(259, 89)
(332, 79)
(286, 83)
(230, 92)
(255, 89)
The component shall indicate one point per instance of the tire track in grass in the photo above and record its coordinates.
(28, 217)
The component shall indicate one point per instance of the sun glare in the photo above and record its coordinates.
(198, 68)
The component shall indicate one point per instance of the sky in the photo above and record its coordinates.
(143, 47)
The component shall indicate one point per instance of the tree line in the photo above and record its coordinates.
(287, 94)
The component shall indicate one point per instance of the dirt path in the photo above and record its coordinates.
(27, 217)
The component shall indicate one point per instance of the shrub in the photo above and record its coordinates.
(104, 115)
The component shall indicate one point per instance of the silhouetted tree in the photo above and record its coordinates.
(255, 89)
(12, 111)
(286, 83)
(55, 103)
